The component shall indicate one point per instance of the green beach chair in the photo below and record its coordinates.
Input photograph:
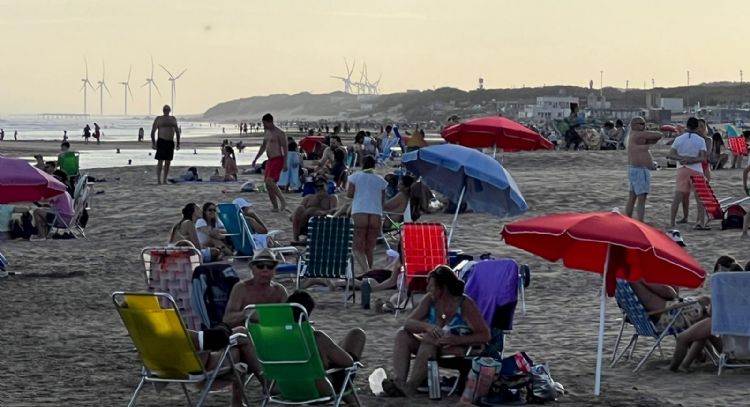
(68, 162)
(289, 355)
(329, 251)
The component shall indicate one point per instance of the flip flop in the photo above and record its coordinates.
(391, 390)
(681, 221)
(701, 227)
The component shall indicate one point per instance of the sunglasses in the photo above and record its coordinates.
(267, 266)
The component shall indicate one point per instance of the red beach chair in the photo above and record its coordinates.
(715, 208)
(424, 247)
(737, 145)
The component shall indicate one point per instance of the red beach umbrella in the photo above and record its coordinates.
(608, 243)
(21, 182)
(309, 143)
(495, 131)
(668, 128)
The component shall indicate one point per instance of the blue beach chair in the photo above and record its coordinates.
(242, 238)
(635, 313)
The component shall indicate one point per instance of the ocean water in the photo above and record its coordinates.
(200, 157)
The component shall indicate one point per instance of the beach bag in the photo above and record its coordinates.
(518, 364)
(733, 217)
(484, 371)
(543, 388)
(23, 229)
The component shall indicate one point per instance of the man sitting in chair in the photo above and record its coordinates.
(58, 208)
(259, 289)
(659, 299)
(318, 204)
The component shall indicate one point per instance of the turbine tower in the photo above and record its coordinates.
(150, 82)
(375, 86)
(173, 79)
(127, 90)
(348, 79)
(102, 86)
(86, 81)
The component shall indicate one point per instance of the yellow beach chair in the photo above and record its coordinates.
(165, 347)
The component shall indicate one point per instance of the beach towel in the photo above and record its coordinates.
(493, 285)
(212, 284)
(730, 304)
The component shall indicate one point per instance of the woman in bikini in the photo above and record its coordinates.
(367, 191)
(445, 322)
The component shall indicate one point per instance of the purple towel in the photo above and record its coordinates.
(492, 284)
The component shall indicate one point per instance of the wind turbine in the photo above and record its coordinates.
(102, 86)
(173, 79)
(348, 79)
(375, 86)
(150, 82)
(86, 81)
(127, 90)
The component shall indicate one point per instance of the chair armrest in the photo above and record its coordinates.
(285, 249)
(672, 307)
(233, 339)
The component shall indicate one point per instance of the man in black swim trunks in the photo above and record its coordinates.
(164, 144)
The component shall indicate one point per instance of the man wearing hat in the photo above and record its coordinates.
(259, 289)
(318, 204)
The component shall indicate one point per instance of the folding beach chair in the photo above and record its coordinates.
(635, 313)
(170, 270)
(424, 247)
(730, 317)
(391, 228)
(212, 285)
(329, 251)
(715, 208)
(243, 241)
(82, 194)
(165, 347)
(288, 352)
(737, 145)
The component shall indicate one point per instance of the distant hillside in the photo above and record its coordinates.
(438, 103)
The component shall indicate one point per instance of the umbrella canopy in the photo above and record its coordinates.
(309, 143)
(462, 173)
(21, 182)
(668, 128)
(608, 243)
(497, 132)
(732, 131)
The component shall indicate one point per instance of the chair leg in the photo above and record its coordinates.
(722, 362)
(653, 348)
(630, 356)
(617, 341)
(211, 378)
(138, 389)
(187, 395)
(661, 352)
(629, 347)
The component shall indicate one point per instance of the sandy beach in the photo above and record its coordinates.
(62, 343)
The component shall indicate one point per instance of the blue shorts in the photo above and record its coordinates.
(640, 180)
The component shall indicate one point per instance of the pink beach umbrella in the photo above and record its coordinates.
(21, 182)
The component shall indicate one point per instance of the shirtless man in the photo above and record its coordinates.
(260, 289)
(640, 164)
(318, 204)
(275, 147)
(164, 145)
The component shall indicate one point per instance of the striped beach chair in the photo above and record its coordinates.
(169, 270)
(715, 208)
(424, 247)
(635, 313)
(329, 251)
(737, 145)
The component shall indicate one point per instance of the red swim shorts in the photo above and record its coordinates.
(274, 167)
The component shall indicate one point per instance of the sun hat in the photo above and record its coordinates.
(264, 256)
(242, 203)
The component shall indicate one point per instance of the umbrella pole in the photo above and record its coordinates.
(455, 215)
(602, 307)
(494, 151)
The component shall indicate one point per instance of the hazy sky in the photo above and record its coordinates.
(241, 48)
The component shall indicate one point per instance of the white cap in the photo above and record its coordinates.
(242, 203)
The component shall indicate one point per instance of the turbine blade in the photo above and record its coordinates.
(178, 76)
(144, 84)
(90, 85)
(157, 88)
(106, 88)
(165, 70)
(152, 67)
(86, 64)
(129, 72)
(129, 91)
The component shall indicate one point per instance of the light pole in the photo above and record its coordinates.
(601, 83)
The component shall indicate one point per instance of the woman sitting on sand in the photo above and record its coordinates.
(210, 230)
(445, 322)
(184, 231)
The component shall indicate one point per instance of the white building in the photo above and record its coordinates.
(553, 107)
(675, 105)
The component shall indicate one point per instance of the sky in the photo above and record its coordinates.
(240, 48)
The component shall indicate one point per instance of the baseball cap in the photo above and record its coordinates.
(676, 235)
(242, 203)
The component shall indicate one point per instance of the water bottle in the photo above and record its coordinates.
(366, 290)
(433, 380)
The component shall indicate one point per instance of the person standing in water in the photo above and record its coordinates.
(164, 145)
(97, 133)
(275, 147)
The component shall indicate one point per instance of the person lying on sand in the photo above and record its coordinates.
(333, 355)
(445, 322)
(259, 289)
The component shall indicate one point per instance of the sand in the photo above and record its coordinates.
(62, 343)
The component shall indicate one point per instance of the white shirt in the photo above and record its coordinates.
(368, 192)
(201, 223)
(690, 145)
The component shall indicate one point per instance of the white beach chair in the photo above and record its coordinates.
(730, 317)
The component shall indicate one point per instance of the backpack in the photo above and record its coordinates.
(212, 284)
(733, 217)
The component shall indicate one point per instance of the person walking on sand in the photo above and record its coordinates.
(640, 164)
(97, 133)
(689, 150)
(164, 144)
(275, 147)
